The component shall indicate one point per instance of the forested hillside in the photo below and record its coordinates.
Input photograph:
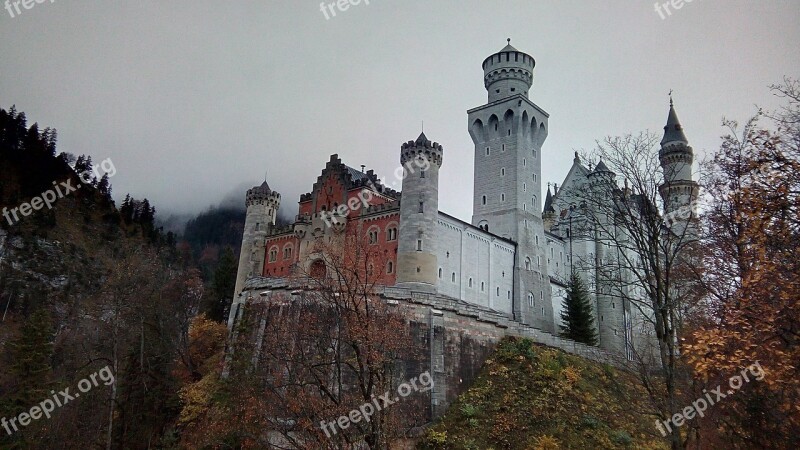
(88, 289)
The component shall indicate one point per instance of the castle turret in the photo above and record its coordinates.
(508, 72)
(549, 213)
(419, 209)
(679, 191)
(262, 211)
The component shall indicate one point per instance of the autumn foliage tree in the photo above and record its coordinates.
(752, 281)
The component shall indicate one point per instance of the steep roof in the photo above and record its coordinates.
(548, 202)
(673, 131)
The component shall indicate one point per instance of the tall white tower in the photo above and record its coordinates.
(679, 191)
(508, 133)
(262, 210)
(419, 210)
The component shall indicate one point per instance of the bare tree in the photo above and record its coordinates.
(324, 350)
(642, 261)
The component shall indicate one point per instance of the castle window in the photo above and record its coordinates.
(373, 236)
(530, 299)
(513, 89)
(258, 225)
(613, 306)
(440, 273)
(419, 245)
(390, 267)
(453, 277)
(498, 292)
(524, 207)
(536, 238)
(542, 311)
(524, 187)
(502, 197)
(509, 130)
(495, 125)
(273, 254)
(527, 263)
(503, 172)
(470, 282)
(524, 162)
(391, 234)
(483, 285)
(421, 207)
(483, 200)
(541, 295)
(498, 91)
(504, 147)
(509, 295)
(533, 201)
(533, 151)
(287, 253)
(487, 151)
(422, 174)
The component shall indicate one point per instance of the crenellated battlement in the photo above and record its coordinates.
(432, 151)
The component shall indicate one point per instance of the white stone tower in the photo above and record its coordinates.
(508, 133)
(610, 305)
(262, 210)
(679, 191)
(419, 210)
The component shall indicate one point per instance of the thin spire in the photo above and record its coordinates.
(670, 98)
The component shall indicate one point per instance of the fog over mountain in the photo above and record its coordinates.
(196, 100)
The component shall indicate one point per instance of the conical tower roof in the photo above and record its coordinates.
(673, 131)
(548, 202)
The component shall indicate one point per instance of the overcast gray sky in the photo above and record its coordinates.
(195, 99)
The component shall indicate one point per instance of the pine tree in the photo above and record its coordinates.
(577, 313)
(223, 285)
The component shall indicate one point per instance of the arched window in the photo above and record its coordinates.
(373, 235)
(527, 263)
(390, 267)
(391, 234)
(273, 254)
(498, 291)
(530, 299)
(470, 282)
(502, 197)
(440, 273)
(483, 286)
(453, 277)
(483, 200)
(318, 269)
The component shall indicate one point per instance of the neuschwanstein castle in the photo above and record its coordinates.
(513, 257)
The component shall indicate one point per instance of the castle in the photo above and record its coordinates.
(512, 259)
